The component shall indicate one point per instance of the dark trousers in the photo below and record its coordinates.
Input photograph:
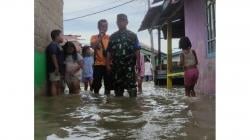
(99, 74)
(148, 77)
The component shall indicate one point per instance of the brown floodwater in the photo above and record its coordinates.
(157, 114)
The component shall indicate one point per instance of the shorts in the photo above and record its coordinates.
(191, 76)
(53, 77)
(140, 77)
(86, 79)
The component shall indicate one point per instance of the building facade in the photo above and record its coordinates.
(200, 28)
(192, 18)
(48, 16)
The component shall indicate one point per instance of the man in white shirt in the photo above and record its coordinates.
(148, 70)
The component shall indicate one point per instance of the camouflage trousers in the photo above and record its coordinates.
(124, 78)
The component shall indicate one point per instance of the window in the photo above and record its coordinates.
(210, 7)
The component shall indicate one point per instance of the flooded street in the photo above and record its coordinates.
(157, 114)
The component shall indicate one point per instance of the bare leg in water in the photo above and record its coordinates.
(187, 91)
(54, 88)
(85, 85)
(76, 86)
(193, 94)
(140, 84)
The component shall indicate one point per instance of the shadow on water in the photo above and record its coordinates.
(155, 114)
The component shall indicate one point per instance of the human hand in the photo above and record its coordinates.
(138, 69)
(108, 68)
(56, 71)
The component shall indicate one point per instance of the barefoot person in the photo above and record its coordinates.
(73, 65)
(99, 43)
(54, 62)
(148, 70)
(189, 61)
(88, 61)
(123, 49)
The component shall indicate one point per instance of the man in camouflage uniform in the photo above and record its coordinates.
(123, 50)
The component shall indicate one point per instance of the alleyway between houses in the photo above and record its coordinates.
(157, 114)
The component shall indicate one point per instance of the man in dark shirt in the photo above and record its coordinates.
(54, 61)
(124, 51)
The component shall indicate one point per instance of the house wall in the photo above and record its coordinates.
(195, 29)
(48, 16)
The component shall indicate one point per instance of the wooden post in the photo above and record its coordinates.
(152, 48)
(169, 55)
(159, 46)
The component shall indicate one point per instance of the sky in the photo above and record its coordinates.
(87, 26)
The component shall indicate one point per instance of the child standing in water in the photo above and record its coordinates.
(88, 62)
(189, 61)
(73, 65)
(54, 64)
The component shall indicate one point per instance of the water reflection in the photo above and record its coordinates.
(155, 114)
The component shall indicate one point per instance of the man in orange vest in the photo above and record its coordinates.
(99, 43)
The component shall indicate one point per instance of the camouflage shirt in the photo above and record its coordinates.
(122, 47)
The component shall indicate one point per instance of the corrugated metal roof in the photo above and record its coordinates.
(157, 17)
(151, 18)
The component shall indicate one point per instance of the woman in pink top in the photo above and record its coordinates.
(140, 74)
(189, 61)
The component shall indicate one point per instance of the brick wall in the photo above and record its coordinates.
(48, 16)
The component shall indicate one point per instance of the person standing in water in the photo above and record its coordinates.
(124, 51)
(88, 61)
(55, 66)
(73, 67)
(189, 61)
(148, 70)
(99, 43)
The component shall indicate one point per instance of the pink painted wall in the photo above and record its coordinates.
(195, 29)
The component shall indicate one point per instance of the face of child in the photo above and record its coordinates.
(60, 38)
(70, 50)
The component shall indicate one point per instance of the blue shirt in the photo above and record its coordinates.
(137, 44)
(54, 49)
(88, 62)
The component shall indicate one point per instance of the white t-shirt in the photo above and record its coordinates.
(71, 65)
(148, 68)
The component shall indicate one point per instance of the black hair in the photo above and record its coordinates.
(185, 43)
(70, 44)
(55, 33)
(84, 51)
(101, 21)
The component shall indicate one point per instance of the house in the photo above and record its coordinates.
(192, 18)
(147, 52)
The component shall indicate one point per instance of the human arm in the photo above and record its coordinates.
(54, 60)
(195, 56)
(108, 62)
(151, 68)
(137, 53)
(181, 60)
(80, 64)
(95, 42)
(138, 66)
(109, 57)
(53, 50)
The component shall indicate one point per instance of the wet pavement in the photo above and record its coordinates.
(157, 114)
